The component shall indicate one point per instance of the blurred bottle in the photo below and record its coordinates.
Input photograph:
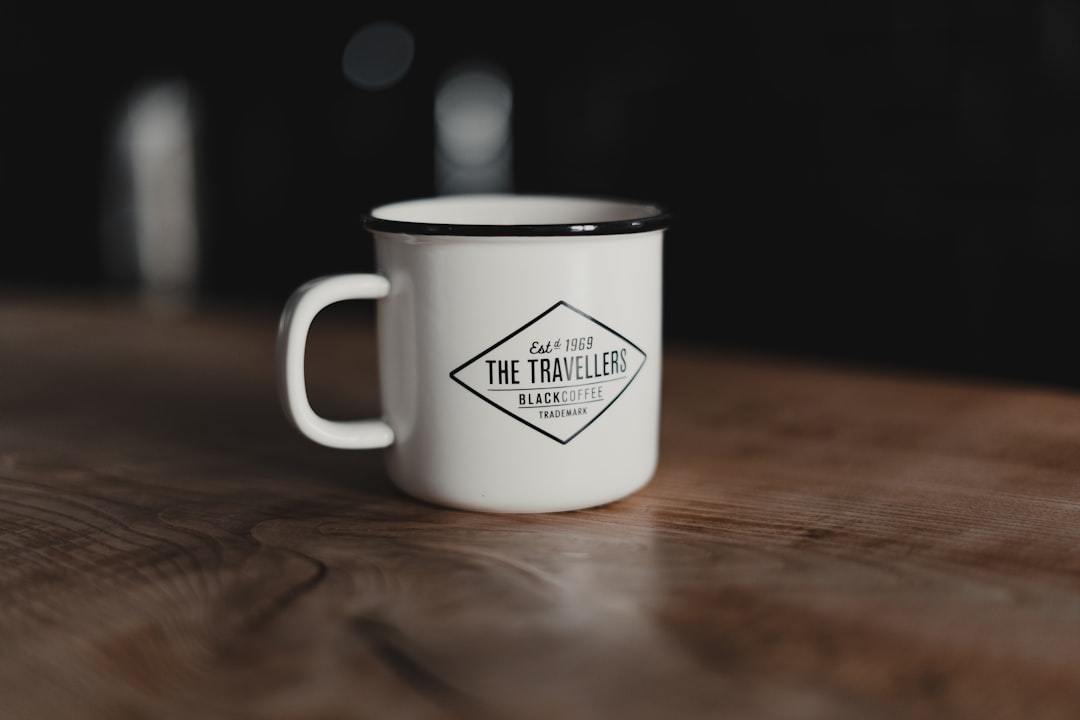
(150, 216)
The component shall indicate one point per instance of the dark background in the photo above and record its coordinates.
(894, 183)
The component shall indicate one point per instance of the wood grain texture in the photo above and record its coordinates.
(819, 542)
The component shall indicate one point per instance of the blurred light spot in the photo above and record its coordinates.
(378, 55)
(473, 107)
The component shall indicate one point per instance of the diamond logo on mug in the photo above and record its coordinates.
(557, 373)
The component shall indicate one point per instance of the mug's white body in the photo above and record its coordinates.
(519, 345)
(505, 434)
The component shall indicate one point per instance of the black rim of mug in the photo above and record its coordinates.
(654, 217)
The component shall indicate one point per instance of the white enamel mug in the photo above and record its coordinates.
(519, 349)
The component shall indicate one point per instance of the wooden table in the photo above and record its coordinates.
(819, 542)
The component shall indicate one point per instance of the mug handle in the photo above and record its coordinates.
(300, 310)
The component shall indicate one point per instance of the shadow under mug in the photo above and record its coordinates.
(519, 349)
